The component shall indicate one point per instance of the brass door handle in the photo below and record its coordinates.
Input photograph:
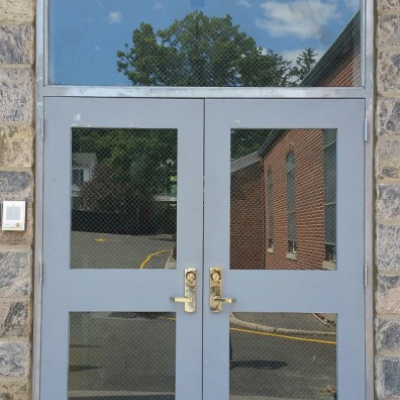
(216, 299)
(181, 299)
(224, 300)
(189, 300)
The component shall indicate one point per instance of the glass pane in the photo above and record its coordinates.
(287, 224)
(204, 43)
(121, 355)
(270, 211)
(330, 225)
(292, 226)
(124, 204)
(330, 173)
(283, 356)
(329, 136)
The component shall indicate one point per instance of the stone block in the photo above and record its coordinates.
(20, 238)
(387, 377)
(388, 294)
(388, 334)
(389, 31)
(388, 159)
(16, 44)
(14, 318)
(388, 201)
(14, 359)
(14, 390)
(16, 185)
(17, 11)
(16, 146)
(15, 273)
(393, 5)
(388, 71)
(388, 117)
(16, 95)
(387, 248)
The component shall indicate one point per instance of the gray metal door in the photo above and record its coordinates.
(109, 327)
(284, 222)
(269, 233)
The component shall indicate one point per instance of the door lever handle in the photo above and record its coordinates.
(181, 299)
(224, 300)
(216, 299)
(189, 299)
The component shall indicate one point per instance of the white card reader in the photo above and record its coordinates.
(13, 216)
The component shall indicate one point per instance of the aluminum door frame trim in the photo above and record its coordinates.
(368, 92)
(203, 93)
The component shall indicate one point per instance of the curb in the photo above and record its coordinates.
(270, 329)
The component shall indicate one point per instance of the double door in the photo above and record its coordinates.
(203, 249)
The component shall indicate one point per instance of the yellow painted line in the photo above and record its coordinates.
(277, 335)
(101, 240)
(150, 256)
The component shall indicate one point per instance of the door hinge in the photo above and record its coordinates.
(366, 130)
(40, 114)
(42, 124)
(366, 275)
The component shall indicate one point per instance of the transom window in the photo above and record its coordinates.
(204, 43)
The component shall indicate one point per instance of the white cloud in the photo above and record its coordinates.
(303, 18)
(353, 5)
(114, 17)
(157, 6)
(244, 3)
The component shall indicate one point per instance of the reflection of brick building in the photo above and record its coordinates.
(247, 230)
(309, 228)
(260, 232)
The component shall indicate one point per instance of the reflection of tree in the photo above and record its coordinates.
(134, 167)
(304, 64)
(246, 141)
(145, 158)
(105, 194)
(200, 51)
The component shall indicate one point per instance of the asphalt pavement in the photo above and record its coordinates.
(106, 250)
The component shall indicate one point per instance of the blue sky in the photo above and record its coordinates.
(86, 34)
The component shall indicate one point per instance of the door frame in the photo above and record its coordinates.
(171, 100)
(366, 92)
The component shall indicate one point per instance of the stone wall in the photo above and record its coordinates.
(387, 173)
(16, 183)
